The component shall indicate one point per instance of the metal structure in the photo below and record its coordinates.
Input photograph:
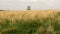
(28, 7)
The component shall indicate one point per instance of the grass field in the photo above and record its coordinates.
(30, 22)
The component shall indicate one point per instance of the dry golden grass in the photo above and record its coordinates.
(31, 14)
(26, 14)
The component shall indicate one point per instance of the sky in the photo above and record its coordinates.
(35, 4)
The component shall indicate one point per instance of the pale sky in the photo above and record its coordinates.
(35, 4)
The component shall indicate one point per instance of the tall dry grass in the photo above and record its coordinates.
(30, 22)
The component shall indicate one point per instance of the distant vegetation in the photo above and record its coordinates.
(2, 10)
(33, 22)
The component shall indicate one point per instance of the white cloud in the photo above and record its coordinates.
(29, 0)
(34, 3)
